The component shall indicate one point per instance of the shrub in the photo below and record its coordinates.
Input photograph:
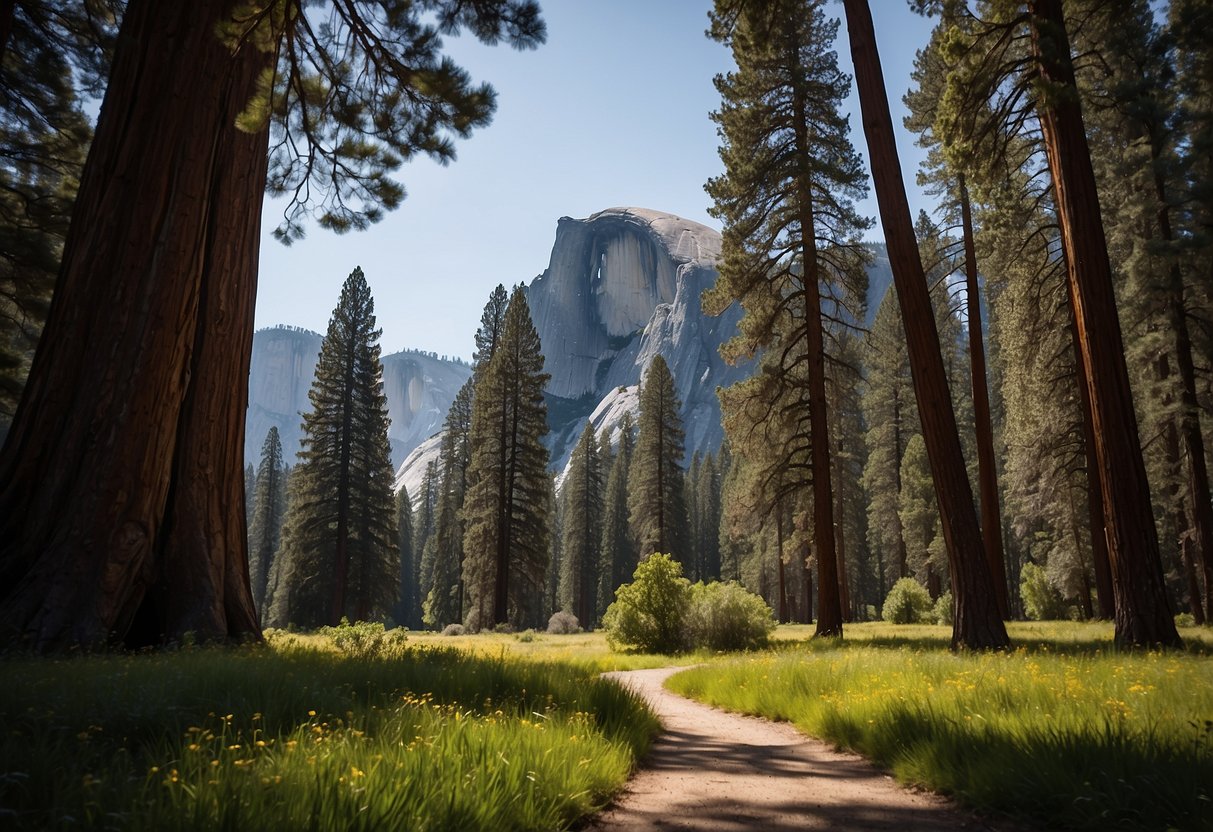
(1185, 619)
(563, 623)
(1041, 600)
(727, 616)
(907, 603)
(648, 614)
(943, 609)
(526, 636)
(504, 628)
(452, 630)
(362, 638)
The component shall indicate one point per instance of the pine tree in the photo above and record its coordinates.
(341, 539)
(657, 514)
(444, 591)
(269, 506)
(581, 535)
(617, 552)
(790, 227)
(423, 529)
(505, 514)
(976, 623)
(707, 511)
(408, 604)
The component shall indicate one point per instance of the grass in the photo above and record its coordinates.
(300, 735)
(1063, 731)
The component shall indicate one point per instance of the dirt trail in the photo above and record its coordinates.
(714, 770)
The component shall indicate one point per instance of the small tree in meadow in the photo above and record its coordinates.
(1041, 600)
(727, 616)
(908, 602)
(648, 614)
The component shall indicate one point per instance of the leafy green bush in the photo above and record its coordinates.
(363, 638)
(1185, 619)
(907, 603)
(1041, 600)
(943, 609)
(563, 623)
(727, 616)
(648, 614)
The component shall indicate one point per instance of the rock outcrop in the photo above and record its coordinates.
(419, 387)
(621, 287)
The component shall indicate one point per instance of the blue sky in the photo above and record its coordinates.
(612, 110)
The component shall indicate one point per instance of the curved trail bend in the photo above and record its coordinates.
(714, 770)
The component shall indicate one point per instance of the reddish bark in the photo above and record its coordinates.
(829, 605)
(1143, 616)
(122, 480)
(987, 473)
(976, 623)
(1095, 515)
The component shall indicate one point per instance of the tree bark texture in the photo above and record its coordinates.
(976, 623)
(1095, 515)
(987, 473)
(829, 605)
(121, 482)
(1143, 615)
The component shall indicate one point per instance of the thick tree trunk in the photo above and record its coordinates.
(976, 623)
(122, 477)
(1143, 615)
(1095, 515)
(987, 473)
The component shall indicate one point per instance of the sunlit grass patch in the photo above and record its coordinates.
(300, 737)
(1073, 736)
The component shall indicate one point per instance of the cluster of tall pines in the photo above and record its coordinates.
(486, 543)
(1060, 458)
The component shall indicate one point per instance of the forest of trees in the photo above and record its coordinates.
(1027, 403)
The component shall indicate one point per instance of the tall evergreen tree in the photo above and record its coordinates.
(706, 537)
(423, 529)
(976, 622)
(617, 552)
(160, 265)
(341, 538)
(790, 227)
(265, 527)
(408, 604)
(444, 591)
(581, 534)
(506, 510)
(657, 513)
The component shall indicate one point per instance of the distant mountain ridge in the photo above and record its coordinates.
(419, 386)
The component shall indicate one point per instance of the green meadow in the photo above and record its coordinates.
(1062, 732)
(300, 734)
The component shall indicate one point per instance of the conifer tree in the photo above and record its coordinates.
(976, 622)
(408, 604)
(444, 592)
(265, 527)
(423, 529)
(506, 510)
(790, 227)
(341, 538)
(581, 533)
(706, 538)
(617, 552)
(657, 514)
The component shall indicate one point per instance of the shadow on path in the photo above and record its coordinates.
(713, 770)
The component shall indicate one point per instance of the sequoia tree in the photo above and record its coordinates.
(976, 622)
(1143, 616)
(121, 512)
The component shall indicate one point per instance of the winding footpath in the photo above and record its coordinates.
(713, 770)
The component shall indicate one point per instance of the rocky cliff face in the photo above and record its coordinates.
(419, 388)
(621, 287)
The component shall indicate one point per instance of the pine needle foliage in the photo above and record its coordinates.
(582, 530)
(269, 506)
(657, 510)
(341, 540)
(506, 510)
